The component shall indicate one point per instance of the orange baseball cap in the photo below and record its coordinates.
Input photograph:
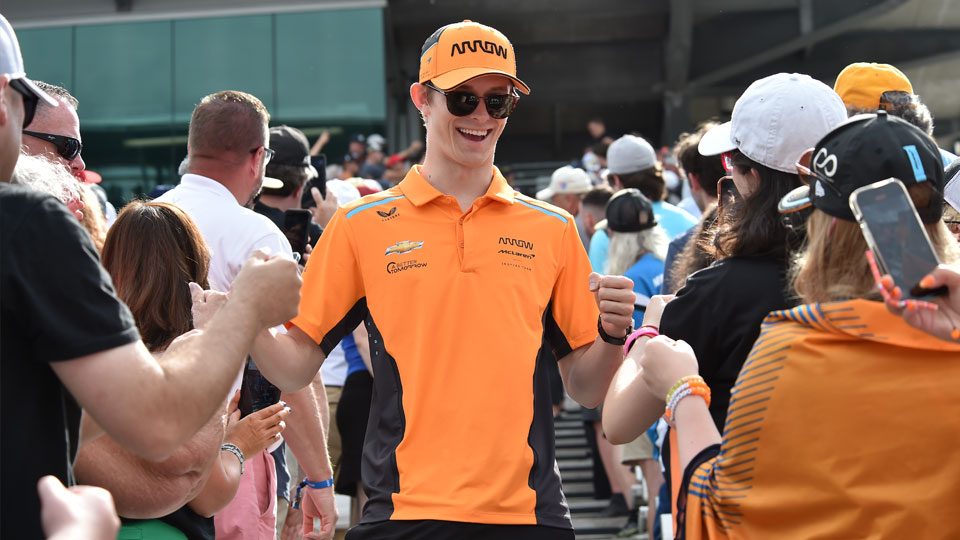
(861, 84)
(458, 52)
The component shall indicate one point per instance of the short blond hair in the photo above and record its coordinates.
(228, 121)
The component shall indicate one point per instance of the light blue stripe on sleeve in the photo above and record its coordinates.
(544, 210)
(363, 207)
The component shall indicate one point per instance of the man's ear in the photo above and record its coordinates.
(694, 179)
(298, 193)
(617, 184)
(4, 102)
(418, 94)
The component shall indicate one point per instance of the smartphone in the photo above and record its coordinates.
(728, 197)
(296, 226)
(319, 163)
(896, 235)
(256, 392)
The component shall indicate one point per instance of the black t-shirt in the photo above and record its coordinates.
(276, 216)
(56, 303)
(719, 311)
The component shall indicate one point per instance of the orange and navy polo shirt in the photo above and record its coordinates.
(459, 307)
(842, 424)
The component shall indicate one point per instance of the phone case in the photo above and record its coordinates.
(855, 206)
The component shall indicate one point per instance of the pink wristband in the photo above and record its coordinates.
(643, 331)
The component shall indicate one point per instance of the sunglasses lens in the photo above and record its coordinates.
(501, 106)
(461, 103)
(70, 149)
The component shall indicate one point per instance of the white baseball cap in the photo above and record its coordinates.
(630, 154)
(566, 179)
(776, 119)
(11, 63)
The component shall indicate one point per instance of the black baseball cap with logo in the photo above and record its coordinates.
(866, 149)
(630, 211)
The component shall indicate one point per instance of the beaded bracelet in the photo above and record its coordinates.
(235, 450)
(691, 385)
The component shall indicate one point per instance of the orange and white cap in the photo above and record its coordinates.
(458, 52)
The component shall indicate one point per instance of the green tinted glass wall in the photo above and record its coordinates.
(328, 70)
(320, 66)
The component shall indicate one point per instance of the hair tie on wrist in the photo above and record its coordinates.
(314, 485)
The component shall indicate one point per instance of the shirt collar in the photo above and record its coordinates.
(861, 319)
(204, 183)
(420, 192)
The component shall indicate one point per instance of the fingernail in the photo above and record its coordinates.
(911, 305)
(955, 333)
(284, 403)
(288, 409)
(886, 281)
(927, 282)
(897, 292)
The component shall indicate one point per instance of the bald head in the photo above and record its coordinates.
(227, 122)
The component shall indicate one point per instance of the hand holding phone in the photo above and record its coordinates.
(296, 226)
(896, 235)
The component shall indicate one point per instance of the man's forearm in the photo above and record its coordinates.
(199, 393)
(290, 360)
(306, 431)
(587, 371)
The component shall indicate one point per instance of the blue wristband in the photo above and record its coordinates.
(314, 485)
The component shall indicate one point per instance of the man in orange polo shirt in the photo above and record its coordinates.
(459, 281)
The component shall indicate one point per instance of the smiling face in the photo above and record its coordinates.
(470, 140)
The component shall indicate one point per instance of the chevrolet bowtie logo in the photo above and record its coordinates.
(405, 246)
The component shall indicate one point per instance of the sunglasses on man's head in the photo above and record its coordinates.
(29, 100)
(459, 103)
(68, 147)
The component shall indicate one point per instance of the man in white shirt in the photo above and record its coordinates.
(228, 150)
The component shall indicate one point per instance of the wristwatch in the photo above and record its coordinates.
(610, 339)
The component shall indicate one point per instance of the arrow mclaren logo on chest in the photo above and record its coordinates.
(516, 243)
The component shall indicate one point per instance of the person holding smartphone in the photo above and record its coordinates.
(836, 423)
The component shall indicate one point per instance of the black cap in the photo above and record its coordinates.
(290, 146)
(630, 211)
(869, 148)
(358, 137)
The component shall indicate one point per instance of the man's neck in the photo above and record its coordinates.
(464, 184)
(229, 179)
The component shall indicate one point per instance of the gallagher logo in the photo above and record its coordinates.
(405, 246)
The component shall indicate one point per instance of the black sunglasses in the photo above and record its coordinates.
(499, 106)
(30, 100)
(68, 147)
